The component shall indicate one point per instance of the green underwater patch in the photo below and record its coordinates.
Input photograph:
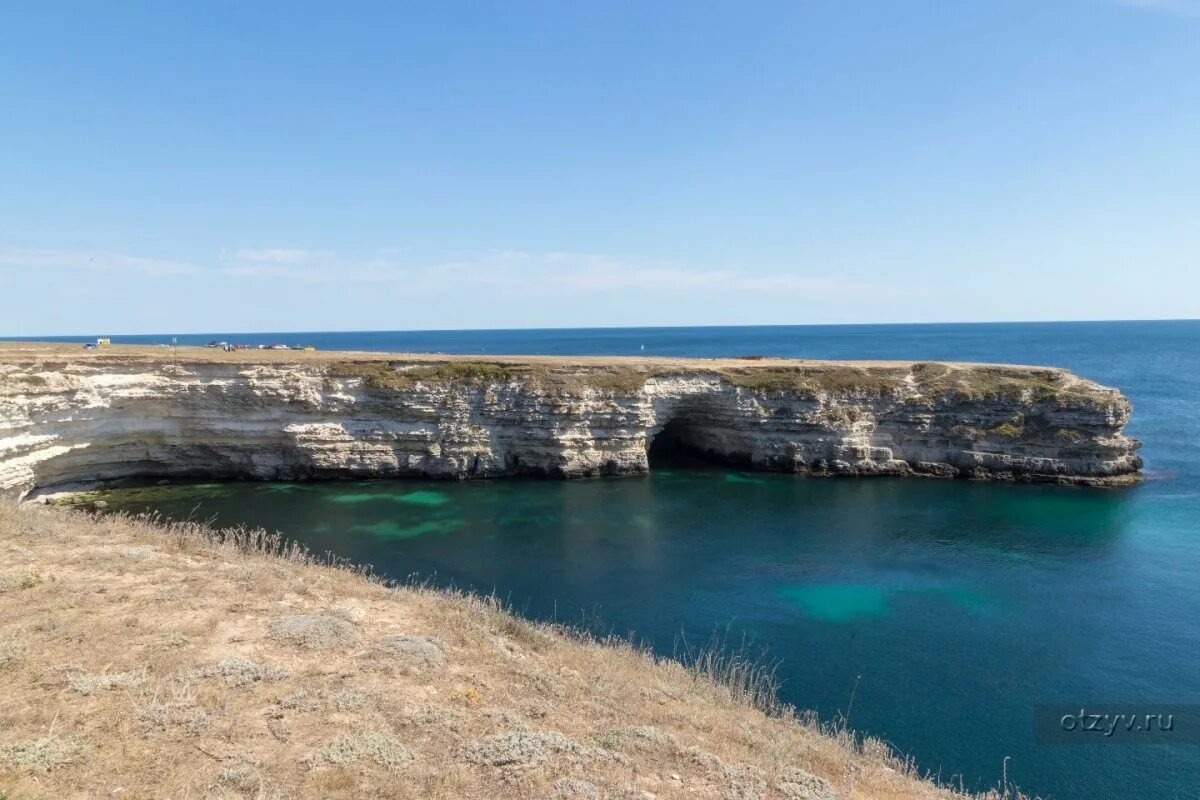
(424, 498)
(839, 602)
(842, 602)
(353, 498)
(418, 498)
(391, 530)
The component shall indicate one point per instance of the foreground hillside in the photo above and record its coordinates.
(139, 660)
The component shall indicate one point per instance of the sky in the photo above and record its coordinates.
(231, 166)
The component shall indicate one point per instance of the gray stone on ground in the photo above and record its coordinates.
(418, 650)
(315, 631)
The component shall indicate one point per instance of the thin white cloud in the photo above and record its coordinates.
(92, 260)
(1185, 8)
(528, 273)
(278, 255)
(512, 274)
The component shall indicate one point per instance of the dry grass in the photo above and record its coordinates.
(569, 376)
(834, 379)
(920, 382)
(400, 377)
(566, 380)
(197, 652)
(988, 380)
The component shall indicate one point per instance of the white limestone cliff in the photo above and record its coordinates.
(71, 420)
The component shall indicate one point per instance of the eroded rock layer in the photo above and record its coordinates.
(92, 419)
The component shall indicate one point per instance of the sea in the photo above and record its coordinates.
(946, 618)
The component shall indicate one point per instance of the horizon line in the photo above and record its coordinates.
(36, 337)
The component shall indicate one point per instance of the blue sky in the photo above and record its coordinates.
(175, 167)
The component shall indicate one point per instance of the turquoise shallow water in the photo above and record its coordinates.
(955, 607)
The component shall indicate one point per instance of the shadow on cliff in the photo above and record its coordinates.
(674, 447)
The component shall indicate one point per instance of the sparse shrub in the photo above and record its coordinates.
(618, 380)
(638, 738)
(968, 432)
(576, 789)
(172, 640)
(136, 553)
(1070, 435)
(315, 631)
(468, 696)
(523, 749)
(29, 380)
(572, 380)
(20, 580)
(798, 784)
(978, 381)
(88, 682)
(1010, 429)
(812, 381)
(11, 652)
(239, 672)
(527, 634)
(301, 700)
(241, 778)
(182, 712)
(372, 745)
(389, 375)
(746, 782)
(419, 650)
(348, 700)
(704, 759)
(42, 755)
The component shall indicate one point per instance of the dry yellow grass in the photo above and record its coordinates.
(57, 352)
(139, 660)
(572, 374)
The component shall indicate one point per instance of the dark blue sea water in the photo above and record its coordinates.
(956, 608)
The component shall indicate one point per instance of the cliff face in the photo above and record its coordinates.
(76, 419)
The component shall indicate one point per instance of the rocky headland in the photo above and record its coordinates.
(69, 417)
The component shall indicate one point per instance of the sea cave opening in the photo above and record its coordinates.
(677, 445)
